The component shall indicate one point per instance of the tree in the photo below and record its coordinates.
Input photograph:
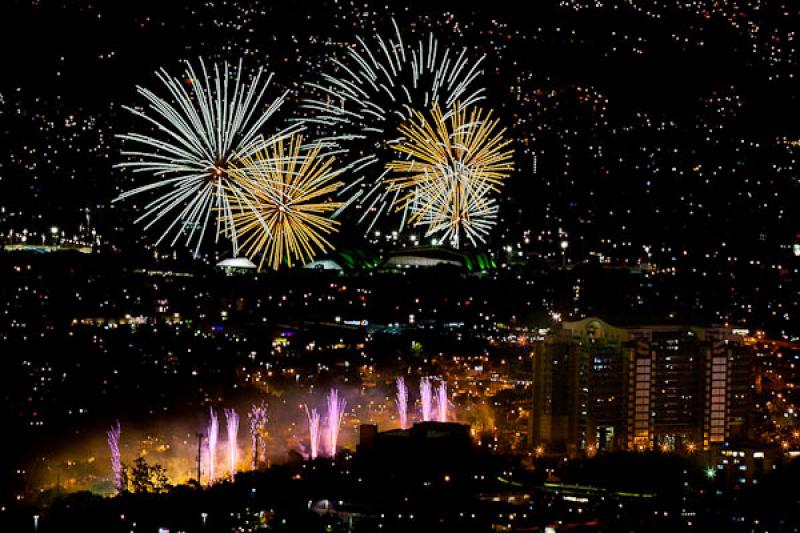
(146, 478)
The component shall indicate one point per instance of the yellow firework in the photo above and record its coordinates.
(281, 207)
(451, 167)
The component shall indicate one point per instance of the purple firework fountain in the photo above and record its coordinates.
(113, 435)
(313, 431)
(213, 436)
(258, 423)
(402, 402)
(336, 407)
(441, 401)
(232, 420)
(426, 394)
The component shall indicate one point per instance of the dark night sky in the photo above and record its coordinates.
(615, 172)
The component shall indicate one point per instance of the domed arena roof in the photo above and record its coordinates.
(236, 262)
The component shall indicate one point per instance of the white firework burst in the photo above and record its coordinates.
(454, 206)
(202, 123)
(376, 88)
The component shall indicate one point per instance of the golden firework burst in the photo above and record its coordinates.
(280, 207)
(453, 164)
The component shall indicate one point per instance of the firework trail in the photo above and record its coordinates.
(441, 400)
(426, 394)
(449, 169)
(375, 88)
(258, 423)
(113, 435)
(213, 435)
(232, 421)
(195, 133)
(279, 203)
(336, 408)
(313, 431)
(402, 402)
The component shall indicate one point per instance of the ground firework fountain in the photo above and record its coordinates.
(402, 402)
(258, 423)
(336, 407)
(116, 465)
(313, 431)
(213, 435)
(426, 394)
(441, 401)
(232, 420)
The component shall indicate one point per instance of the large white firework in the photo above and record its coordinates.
(204, 120)
(375, 88)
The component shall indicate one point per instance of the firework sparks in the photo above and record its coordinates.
(232, 421)
(336, 406)
(313, 431)
(441, 401)
(376, 88)
(197, 132)
(426, 395)
(258, 423)
(213, 436)
(452, 207)
(452, 166)
(402, 402)
(282, 215)
(113, 435)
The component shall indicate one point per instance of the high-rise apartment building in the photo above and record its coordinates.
(598, 386)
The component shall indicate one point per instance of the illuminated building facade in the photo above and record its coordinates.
(666, 387)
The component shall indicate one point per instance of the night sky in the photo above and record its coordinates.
(646, 123)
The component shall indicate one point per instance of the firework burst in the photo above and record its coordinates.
(376, 87)
(451, 168)
(278, 203)
(454, 207)
(202, 122)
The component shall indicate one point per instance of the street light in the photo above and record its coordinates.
(564, 246)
